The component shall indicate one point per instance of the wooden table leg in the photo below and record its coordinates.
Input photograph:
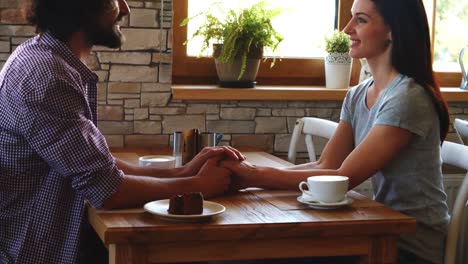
(382, 250)
(127, 254)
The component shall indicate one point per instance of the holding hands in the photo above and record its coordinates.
(212, 180)
(224, 152)
(208, 172)
(223, 165)
(243, 174)
(188, 170)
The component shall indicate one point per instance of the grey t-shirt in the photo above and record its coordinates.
(412, 182)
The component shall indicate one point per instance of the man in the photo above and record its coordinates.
(52, 156)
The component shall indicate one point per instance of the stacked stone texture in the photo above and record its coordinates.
(135, 108)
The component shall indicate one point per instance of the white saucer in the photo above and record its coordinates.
(159, 208)
(326, 206)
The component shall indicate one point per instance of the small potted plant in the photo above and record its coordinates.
(337, 61)
(239, 39)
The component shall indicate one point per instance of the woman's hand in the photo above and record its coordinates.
(243, 174)
(225, 152)
(212, 180)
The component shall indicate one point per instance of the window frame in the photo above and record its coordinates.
(193, 70)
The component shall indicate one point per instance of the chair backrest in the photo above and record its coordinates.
(461, 127)
(310, 126)
(456, 155)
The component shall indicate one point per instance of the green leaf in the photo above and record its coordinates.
(338, 42)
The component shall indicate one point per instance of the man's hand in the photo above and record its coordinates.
(243, 174)
(213, 180)
(197, 162)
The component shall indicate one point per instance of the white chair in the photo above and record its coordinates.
(461, 127)
(312, 126)
(456, 155)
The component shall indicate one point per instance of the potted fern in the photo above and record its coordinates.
(239, 38)
(337, 61)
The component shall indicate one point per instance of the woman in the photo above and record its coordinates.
(391, 126)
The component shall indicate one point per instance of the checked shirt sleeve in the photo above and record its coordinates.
(56, 121)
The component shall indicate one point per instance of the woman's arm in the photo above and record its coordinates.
(380, 146)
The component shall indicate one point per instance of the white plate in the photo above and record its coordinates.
(326, 206)
(160, 207)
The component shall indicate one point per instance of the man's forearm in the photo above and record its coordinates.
(137, 190)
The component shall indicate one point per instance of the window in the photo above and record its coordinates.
(301, 65)
(296, 43)
(287, 71)
(450, 18)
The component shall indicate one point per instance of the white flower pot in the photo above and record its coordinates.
(337, 70)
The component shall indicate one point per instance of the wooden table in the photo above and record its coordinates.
(257, 224)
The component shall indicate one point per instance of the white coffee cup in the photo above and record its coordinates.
(157, 161)
(325, 189)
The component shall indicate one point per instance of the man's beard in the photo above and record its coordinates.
(108, 37)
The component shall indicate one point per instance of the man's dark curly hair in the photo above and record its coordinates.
(62, 17)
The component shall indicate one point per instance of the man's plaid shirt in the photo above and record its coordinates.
(52, 156)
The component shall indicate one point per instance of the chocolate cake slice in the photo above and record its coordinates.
(193, 203)
(186, 204)
(176, 205)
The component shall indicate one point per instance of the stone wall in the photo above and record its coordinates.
(135, 105)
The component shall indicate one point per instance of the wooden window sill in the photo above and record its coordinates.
(289, 93)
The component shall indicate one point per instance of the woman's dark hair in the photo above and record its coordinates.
(62, 17)
(411, 49)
